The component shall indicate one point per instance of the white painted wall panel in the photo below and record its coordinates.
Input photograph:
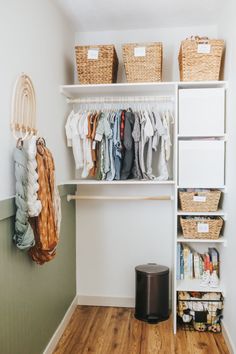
(115, 236)
(36, 39)
(227, 31)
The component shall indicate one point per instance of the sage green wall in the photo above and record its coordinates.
(33, 298)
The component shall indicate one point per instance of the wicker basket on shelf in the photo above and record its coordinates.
(143, 62)
(200, 201)
(201, 228)
(200, 59)
(96, 64)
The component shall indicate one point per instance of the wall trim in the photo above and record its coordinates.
(66, 189)
(8, 208)
(61, 328)
(106, 301)
(228, 339)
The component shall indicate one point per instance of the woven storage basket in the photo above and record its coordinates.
(143, 62)
(199, 201)
(190, 227)
(200, 59)
(96, 64)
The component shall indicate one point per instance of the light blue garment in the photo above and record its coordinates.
(112, 172)
(24, 235)
(103, 135)
(117, 146)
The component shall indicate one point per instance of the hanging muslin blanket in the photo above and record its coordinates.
(46, 224)
(24, 236)
(34, 204)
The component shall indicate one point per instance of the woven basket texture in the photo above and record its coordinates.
(212, 199)
(147, 68)
(195, 65)
(190, 228)
(102, 70)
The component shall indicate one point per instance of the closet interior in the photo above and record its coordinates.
(118, 177)
(197, 163)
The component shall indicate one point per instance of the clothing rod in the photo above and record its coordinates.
(101, 197)
(120, 99)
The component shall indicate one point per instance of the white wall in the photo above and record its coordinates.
(171, 38)
(227, 31)
(35, 38)
(115, 236)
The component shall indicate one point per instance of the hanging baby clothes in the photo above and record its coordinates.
(147, 132)
(24, 236)
(136, 134)
(165, 148)
(45, 225)
(103, 134)
(117, 145)
(74, 139)
(112, 172)
(121, 144)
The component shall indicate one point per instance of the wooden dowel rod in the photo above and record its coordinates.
(100, 197)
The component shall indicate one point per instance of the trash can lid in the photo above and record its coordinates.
(152, 268)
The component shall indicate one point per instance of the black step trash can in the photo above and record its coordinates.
(152, 293)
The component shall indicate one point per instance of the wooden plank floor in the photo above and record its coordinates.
(108, 330)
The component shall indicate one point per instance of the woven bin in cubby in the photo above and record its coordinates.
(200, 201)
(143, 62)
(191, 227)
(200, 59)
(96, 64)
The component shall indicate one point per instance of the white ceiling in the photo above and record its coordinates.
(103, 15)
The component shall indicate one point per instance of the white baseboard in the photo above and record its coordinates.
(228, 339)
(106, 301)
(61, 328)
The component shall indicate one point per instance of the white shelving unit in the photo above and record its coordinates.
(194, 284)
(135, 89)
(139, 90)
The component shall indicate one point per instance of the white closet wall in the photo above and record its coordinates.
(115, 236)
(227, 31)
(171, 38)
(37, 39)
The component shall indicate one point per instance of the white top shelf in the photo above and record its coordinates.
(123, 182)
(134, 89)
(194, 285)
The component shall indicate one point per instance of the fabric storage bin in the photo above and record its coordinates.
(201, 227)
(201, 163)
(202, 112)
(143, 62)
(204, 201)
(200, 311)
(96, 64)
(200, 59)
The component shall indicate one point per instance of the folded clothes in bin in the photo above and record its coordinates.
(200, 311)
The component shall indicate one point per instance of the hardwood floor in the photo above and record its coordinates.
(108, 330)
